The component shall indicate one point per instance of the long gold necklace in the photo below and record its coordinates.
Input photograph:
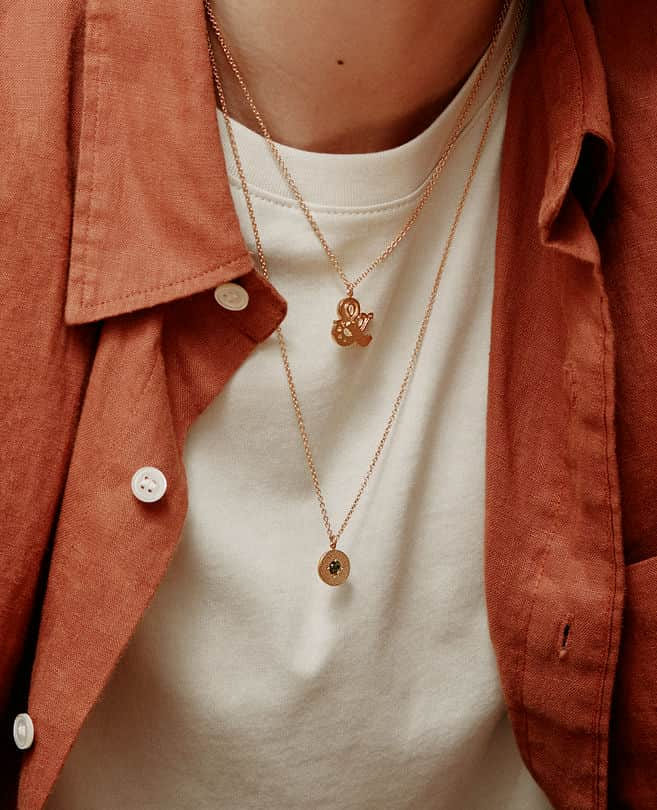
(350, 328)
(334, 565)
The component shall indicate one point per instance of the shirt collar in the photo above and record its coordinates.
(153, 216)
(562, 52)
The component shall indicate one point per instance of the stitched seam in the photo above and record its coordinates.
(93, 173)
(175, 283)
(356, 212)
(604, 670)
(573, 162)
(602, 674)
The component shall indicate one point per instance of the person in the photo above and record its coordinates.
(328, 386)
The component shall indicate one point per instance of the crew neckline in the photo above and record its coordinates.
(369, 179)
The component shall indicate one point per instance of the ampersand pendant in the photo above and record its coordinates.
(351, 325)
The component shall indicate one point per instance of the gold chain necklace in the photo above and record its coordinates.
(334, 565)
(350, 328)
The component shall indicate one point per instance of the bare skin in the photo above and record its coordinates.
(347, 76)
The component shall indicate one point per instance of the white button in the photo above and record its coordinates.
(231, 296)
(149, 484)
(23, 731)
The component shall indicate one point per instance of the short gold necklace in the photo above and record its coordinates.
(334, 565)
(350, 328)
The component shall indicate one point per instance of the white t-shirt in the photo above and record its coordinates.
(249, 683)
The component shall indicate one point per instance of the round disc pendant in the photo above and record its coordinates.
(333, 567)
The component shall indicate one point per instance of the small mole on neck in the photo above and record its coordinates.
(340, 62)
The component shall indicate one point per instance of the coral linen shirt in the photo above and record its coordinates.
(117, 224)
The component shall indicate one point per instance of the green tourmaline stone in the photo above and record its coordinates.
(334, 566)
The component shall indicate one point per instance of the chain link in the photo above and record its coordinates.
(499, 86)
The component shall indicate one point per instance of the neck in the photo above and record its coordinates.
(337, 76)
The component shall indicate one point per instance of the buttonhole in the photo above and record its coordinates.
(565, 637)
